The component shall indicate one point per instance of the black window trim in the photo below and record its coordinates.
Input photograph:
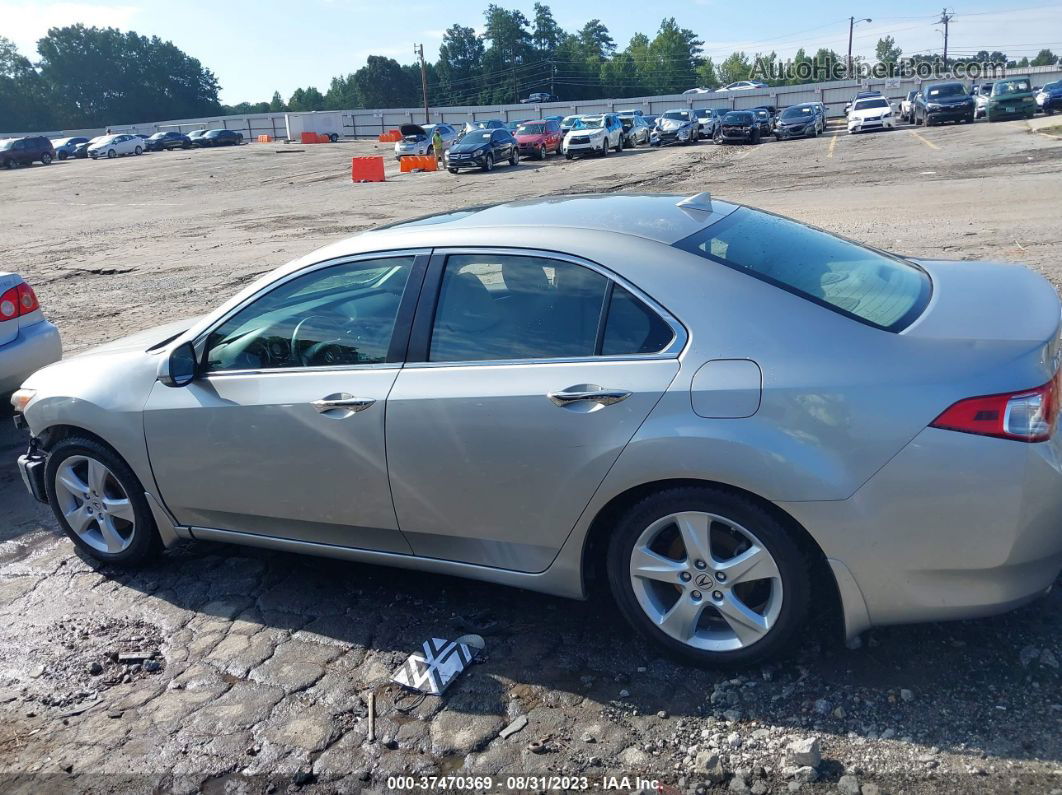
(419, 347)
(689, 244)
(399, 337)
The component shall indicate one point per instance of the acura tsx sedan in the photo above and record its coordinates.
(740, 423)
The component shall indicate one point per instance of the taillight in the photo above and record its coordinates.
(9, 304)
(27, 299)
(1025, 416)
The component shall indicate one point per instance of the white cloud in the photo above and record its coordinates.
(28, 21)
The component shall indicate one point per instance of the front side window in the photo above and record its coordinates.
(336, 316)
(867, 285)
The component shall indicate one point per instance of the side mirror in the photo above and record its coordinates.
(179, 368)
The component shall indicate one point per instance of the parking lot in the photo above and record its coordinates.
(264, 663)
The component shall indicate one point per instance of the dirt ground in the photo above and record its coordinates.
(225, 669)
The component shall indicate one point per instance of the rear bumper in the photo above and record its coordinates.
(34, 347)
(955, 526)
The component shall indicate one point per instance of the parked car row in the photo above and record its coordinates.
(33, 148)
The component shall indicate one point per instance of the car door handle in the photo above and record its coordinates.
(347, 402)
(587, 393)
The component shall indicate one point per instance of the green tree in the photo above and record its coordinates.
(546, 34)
(100, 76)
(24, 102)
(459, 66)
(674, 53)
(1044, 58)
(504, 60)
(382, 83)
(342, 93)
(888, 53)
(735, 67)
(306, 99)
(276, 104)
(706, 76)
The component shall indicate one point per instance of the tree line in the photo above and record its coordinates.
(93, 77)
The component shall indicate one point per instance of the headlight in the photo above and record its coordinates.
(21, 398)
(933, 106)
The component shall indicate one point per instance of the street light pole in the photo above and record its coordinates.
(419, 50)
(852, 22)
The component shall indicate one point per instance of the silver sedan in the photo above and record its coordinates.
(745, 423)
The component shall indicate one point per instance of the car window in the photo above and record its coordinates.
(867, 285)
(949, 90)
(336, 316)
(1010, 86)
(516, 307)
(632, 327)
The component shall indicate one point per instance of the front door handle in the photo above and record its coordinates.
(342, 402)
(587, 393)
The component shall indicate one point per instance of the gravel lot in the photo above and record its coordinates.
(225, 669)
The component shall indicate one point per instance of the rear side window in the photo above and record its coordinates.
(866, 285)
(631, 327)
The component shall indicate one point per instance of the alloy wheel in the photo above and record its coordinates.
(95, 504)
(706, 581)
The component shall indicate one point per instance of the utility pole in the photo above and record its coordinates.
(418, 49)
(945, 18)
(852, 22)
(552, 78)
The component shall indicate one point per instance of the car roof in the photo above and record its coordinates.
(657, 217)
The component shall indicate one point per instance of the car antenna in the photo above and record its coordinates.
(698, 201)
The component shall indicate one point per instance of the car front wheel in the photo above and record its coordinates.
(710, 575)
(488, 164)
(99, 502)
(514, 156)
(112, 154)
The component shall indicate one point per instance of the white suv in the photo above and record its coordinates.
(594, 135)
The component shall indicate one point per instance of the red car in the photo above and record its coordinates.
(538, 138)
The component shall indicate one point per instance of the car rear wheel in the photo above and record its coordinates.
(46, 159)
(710, 575)
(99, 502)
(333, 138)
(138, 150)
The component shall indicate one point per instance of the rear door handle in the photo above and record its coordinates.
(587, 393)
(342, 402)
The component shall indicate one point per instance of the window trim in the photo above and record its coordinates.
(424, 320)
(399, 337)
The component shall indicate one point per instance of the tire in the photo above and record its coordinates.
(333, 138)
(452, 170)
(488, 164)
(1049, 111)
(10, 164)
(619, 144)
(111, 154)
(604, 148)
(755, 137)
(777, 137)
(514, 158)
(732, 523)
(541, 154)
(46, 159)
(567, 155)
(814, 132)
(138, 151)
(136, 538)
(62, 155)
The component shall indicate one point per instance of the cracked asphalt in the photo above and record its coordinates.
(221, 669)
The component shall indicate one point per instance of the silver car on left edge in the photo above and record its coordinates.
(744, 423)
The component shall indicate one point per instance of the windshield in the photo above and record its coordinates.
(105, 139)
(569, 121)
(678, 115)
(477, 137)
(1010, 87)
(592, 121)
(737, 118)
(949, 90)
(531, 129)
(157, 136)
(797, 111)
(861, 283)
(1052, 86)
(867, 104)
(7, 143)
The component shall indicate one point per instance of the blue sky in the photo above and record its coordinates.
(256, 47)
